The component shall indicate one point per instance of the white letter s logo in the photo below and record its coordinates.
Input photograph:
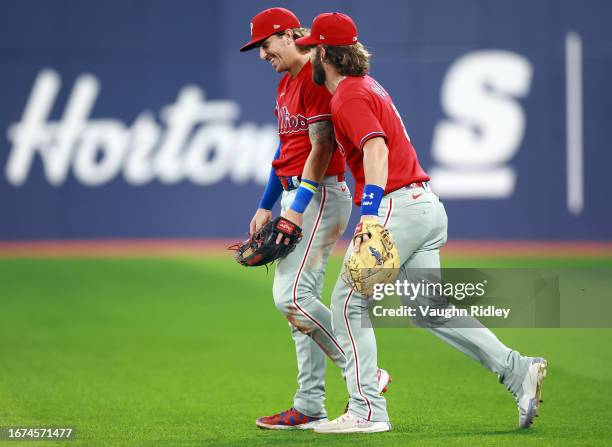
(486, 127)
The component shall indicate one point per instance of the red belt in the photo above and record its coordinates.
(416, 185)
(412, 185)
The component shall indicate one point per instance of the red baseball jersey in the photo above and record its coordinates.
(300, 102)
(362, 110)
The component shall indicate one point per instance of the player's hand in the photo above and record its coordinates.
(293, 216)
(260, 218)
(364, 237)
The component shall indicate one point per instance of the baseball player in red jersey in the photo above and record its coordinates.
(392, 188)
(320, 203)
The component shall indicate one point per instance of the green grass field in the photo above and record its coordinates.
(186, 351)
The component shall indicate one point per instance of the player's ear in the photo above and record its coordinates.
(288, 36)
(322, 53)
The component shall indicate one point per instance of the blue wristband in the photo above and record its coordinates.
(274, 188)
(370, 200)
(304, 195)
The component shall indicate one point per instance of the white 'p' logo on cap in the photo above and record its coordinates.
(251, 29)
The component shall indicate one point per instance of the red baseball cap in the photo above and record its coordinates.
(331, 28)
(268, 22)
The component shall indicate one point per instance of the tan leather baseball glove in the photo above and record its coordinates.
(376, 262)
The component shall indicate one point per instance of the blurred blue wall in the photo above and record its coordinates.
(126, 118)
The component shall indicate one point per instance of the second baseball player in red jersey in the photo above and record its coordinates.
(393, 191)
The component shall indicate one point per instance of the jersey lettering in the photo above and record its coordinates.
(288, 123)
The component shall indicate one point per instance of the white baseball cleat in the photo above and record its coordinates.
(384, 379)
(528, 400)
(349, 423)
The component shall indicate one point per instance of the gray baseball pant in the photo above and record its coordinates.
(298, 283)
(418, 223)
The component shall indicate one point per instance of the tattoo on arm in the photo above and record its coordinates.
(321, 133)
(322, 141)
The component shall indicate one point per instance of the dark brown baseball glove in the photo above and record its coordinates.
(261, 248)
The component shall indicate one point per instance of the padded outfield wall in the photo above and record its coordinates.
(141, 119)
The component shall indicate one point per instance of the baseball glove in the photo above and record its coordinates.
(261, 248)
(376, 262)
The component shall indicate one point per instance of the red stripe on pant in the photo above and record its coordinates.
(297, 279)
(388, 212)
(348, 328)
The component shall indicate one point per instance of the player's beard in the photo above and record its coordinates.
(318, 72)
